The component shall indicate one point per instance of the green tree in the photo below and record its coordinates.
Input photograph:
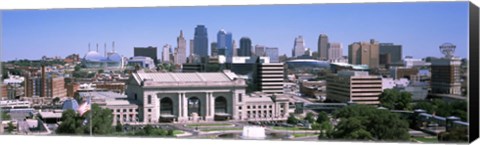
(119, 127)
(394, 99)
(322, 117)
(101, 71)
(381, 124)
(10, 127)
(292, 119)
(72, 123)
(455, 135)
(310, 117)
(5, 116)
(443, 108)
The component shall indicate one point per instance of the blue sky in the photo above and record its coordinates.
(419, 27)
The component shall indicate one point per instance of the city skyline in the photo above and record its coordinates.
(419, 27)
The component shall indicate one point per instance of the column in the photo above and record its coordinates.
(185, 104)
(180, 104)
(212, 105)
(207, 104)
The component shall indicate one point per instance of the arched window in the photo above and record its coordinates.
(166, 106)
(194, 106)
(135, 96)
(220, 105)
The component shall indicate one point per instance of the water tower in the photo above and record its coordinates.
(447, 49)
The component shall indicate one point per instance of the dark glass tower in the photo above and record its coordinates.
(245, 47)
(200, 41)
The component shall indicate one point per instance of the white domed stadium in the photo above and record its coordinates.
(110, 60)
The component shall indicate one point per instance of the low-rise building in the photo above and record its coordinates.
(354, 86)
(314, 88)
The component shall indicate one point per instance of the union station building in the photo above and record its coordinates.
(201, 97)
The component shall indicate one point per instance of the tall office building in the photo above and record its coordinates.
(335, 51)
(323, 47)
(225, 44)
(146, 51)
(214, 50)
(166, 53)
(272, 52)
(270, 78)
(446, 76)
(446, 72)
(181, 52)
(390, 53)
(245, 47)
(354, 86)
(192, 54)
(235, 50)
(259, 50)
(298, 47)
(200, 41)
(364, 53)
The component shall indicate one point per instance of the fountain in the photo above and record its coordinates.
(253, 132)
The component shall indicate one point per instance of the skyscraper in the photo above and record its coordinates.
(225, 42)
(200, 41)
(364, 53)
(272, 52)
(181, 51)
(298, 47)
(259, 50)
(234, 48)
(166, 53)
(335, 51)
(391, 52)
(214, 50)
(192, 47)
(146, 51)
(245, 47)
(323, 47)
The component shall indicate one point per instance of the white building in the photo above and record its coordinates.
(335, 51)
(142, 61)
(412, 62)
(167, 50)
(181, 50)
(390, 83)
(198, 97)
(298, 47)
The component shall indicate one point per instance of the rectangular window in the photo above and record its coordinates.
(248, 107)
(239, 107)
(149, 99)
(240, 97)
(124, 110)
(149, 110)
(131, 110)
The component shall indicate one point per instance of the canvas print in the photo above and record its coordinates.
(382, 72)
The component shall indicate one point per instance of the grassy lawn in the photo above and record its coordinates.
(175, 132)
(200, 125)
(303, 135)
(219, 129)
(288, 128)
(427, 140)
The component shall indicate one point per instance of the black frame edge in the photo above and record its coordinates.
(473, 72)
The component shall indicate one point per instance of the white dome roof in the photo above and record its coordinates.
(115, 57)
(93, 56)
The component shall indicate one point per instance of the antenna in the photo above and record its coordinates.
(97, 47)
(113, 46)
(105, 49)
(88, 47)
